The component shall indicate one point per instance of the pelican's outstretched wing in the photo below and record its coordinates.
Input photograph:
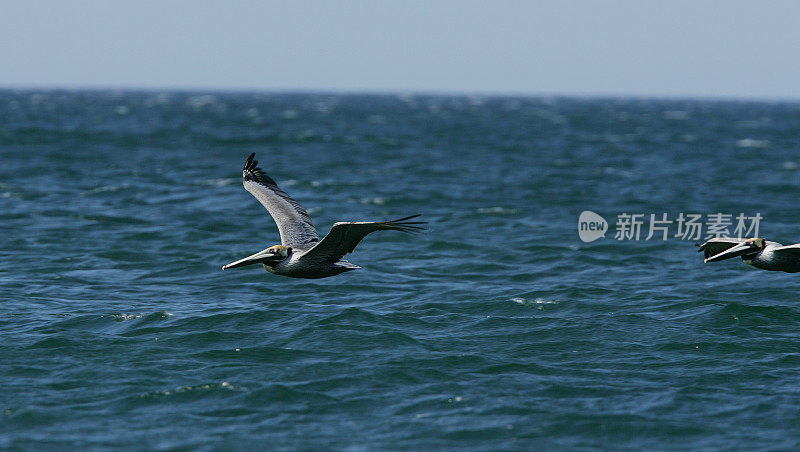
(715, 246)
(293, 222)
(788, 249)
(343, 237)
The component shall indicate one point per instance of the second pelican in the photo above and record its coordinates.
(757, 252)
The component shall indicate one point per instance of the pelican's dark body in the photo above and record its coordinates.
(296, 267)
(768, 259)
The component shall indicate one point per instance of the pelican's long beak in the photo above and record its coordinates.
(261, 256)
(738, 250)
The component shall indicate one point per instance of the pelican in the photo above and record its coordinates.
(757, 252)
(301, 253)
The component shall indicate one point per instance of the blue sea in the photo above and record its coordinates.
(497, 328)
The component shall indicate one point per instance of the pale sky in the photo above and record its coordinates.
(670, 48)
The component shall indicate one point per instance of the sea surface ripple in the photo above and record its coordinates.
(496, 329)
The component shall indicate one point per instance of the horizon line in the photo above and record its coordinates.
(403, 92)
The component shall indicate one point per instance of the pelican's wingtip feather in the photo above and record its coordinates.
(403, 225)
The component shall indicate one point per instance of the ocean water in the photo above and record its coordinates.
(495, 329)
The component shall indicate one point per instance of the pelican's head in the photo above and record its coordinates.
(280, 250)
(269, 257)
(747, 248)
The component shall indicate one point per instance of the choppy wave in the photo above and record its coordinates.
(496, 329)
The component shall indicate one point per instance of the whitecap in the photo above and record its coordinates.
(537, 302)
(751, 143)
(289, 114)
(497, 210)
(306, 134)
(199, 102)
(105, 189)
(218, 182)
(378, 201)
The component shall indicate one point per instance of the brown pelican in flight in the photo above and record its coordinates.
(757, 252)
(301, 253)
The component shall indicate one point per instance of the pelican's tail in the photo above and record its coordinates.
(346, 265)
